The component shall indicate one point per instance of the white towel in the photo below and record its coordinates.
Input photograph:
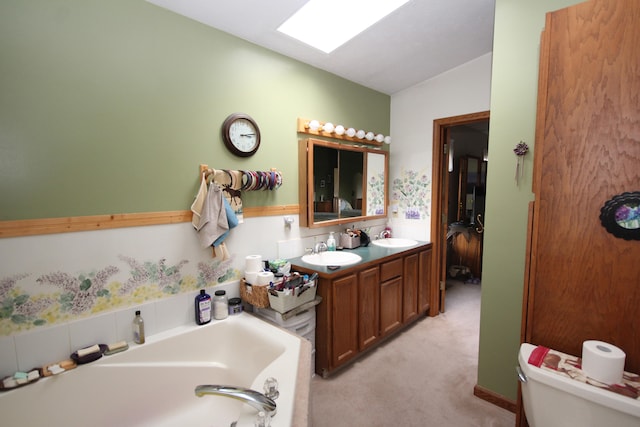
(196, 206)
(213, 218)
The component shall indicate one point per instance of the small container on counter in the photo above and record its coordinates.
(220, 305)
(235, 305)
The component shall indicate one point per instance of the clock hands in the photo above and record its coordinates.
(247, 134)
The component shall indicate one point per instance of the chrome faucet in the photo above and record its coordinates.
(251, 397)
(384, 234)
(319, 247)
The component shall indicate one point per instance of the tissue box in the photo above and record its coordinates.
(349, 242)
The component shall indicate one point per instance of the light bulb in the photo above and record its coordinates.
(339, 130)
(360, 134)
(379, 137)
(314, 125)
(387, 140)
(351, 132)
(328, 127)
(369, 136)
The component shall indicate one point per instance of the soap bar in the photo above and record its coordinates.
(85, 351)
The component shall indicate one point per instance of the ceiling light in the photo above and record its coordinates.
(327, 24)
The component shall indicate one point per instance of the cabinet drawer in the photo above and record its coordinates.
(391, 269)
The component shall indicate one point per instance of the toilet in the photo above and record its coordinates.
(553, 400)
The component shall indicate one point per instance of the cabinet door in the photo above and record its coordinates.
(344, 319)
(410, 291)
(424, 281)
(368, 307)
(390, 305)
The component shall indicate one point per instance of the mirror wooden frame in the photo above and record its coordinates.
(306, 182)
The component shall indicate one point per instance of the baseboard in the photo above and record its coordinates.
(494, 398)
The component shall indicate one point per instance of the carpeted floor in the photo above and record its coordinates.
(423, 377)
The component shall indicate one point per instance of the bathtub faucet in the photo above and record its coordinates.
(251, 397)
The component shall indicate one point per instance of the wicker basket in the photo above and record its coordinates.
(257, 296)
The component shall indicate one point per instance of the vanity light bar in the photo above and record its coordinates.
(327, 129)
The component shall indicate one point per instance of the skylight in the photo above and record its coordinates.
(328, 24)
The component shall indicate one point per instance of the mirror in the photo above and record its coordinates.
(341, 183)
(471, 184)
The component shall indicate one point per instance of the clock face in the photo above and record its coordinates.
(241, 134)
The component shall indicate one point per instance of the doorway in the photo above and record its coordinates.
(459, 184)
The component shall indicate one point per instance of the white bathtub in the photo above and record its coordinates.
(153, 384)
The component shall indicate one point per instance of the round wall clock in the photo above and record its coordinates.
(241, 134)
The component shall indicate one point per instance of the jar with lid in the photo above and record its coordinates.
(220, 305)
(235, 305)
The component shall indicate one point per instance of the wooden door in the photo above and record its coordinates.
(368, 307)
(583, 282)
(410, 288)
(344, 319)
(390, 305)
(424, 281)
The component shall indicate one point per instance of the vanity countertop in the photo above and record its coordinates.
(369, 254)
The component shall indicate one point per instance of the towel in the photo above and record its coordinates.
(231, 183)
(213, 217)
(196, 206)
(219, 247)
(571, 367)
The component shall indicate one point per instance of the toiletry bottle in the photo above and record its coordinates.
(331, 242)
(220, 305)
(138, 328)
(203, 308)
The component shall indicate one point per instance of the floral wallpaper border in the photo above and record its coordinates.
(62, 296)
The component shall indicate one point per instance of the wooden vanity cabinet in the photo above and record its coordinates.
(410, 288)
(368, 307)
(424, 273)
(363, 305)
(344, 342)
(390, 296)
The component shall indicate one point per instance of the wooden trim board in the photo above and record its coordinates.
(34, 227)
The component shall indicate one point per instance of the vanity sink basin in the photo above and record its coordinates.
(332, 258)
(394, 242)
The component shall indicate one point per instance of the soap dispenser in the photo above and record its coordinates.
(331, 242)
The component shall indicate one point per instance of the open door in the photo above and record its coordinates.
(442, 168)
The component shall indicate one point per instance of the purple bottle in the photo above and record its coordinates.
(203, 308)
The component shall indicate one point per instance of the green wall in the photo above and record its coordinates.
(110, 106)
(518, 26)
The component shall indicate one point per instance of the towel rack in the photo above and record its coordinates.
(246, 180)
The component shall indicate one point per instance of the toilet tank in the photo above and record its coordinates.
(552, 400)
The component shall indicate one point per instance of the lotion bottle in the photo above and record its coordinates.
(331, 242)
(203, 308)
(138, 328)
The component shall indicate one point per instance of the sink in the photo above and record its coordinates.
(332, 258)
(394, 242)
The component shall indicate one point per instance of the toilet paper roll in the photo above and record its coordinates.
(602, 361)
(251, 277)
(253, 263)
(264, 278)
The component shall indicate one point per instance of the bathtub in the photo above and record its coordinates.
(153, 384)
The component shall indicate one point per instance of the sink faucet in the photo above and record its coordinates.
(384, 234)
(319, 247)
(251, 397)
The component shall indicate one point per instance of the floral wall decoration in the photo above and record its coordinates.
(375, 195)
(57, 297)
(412, 190)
